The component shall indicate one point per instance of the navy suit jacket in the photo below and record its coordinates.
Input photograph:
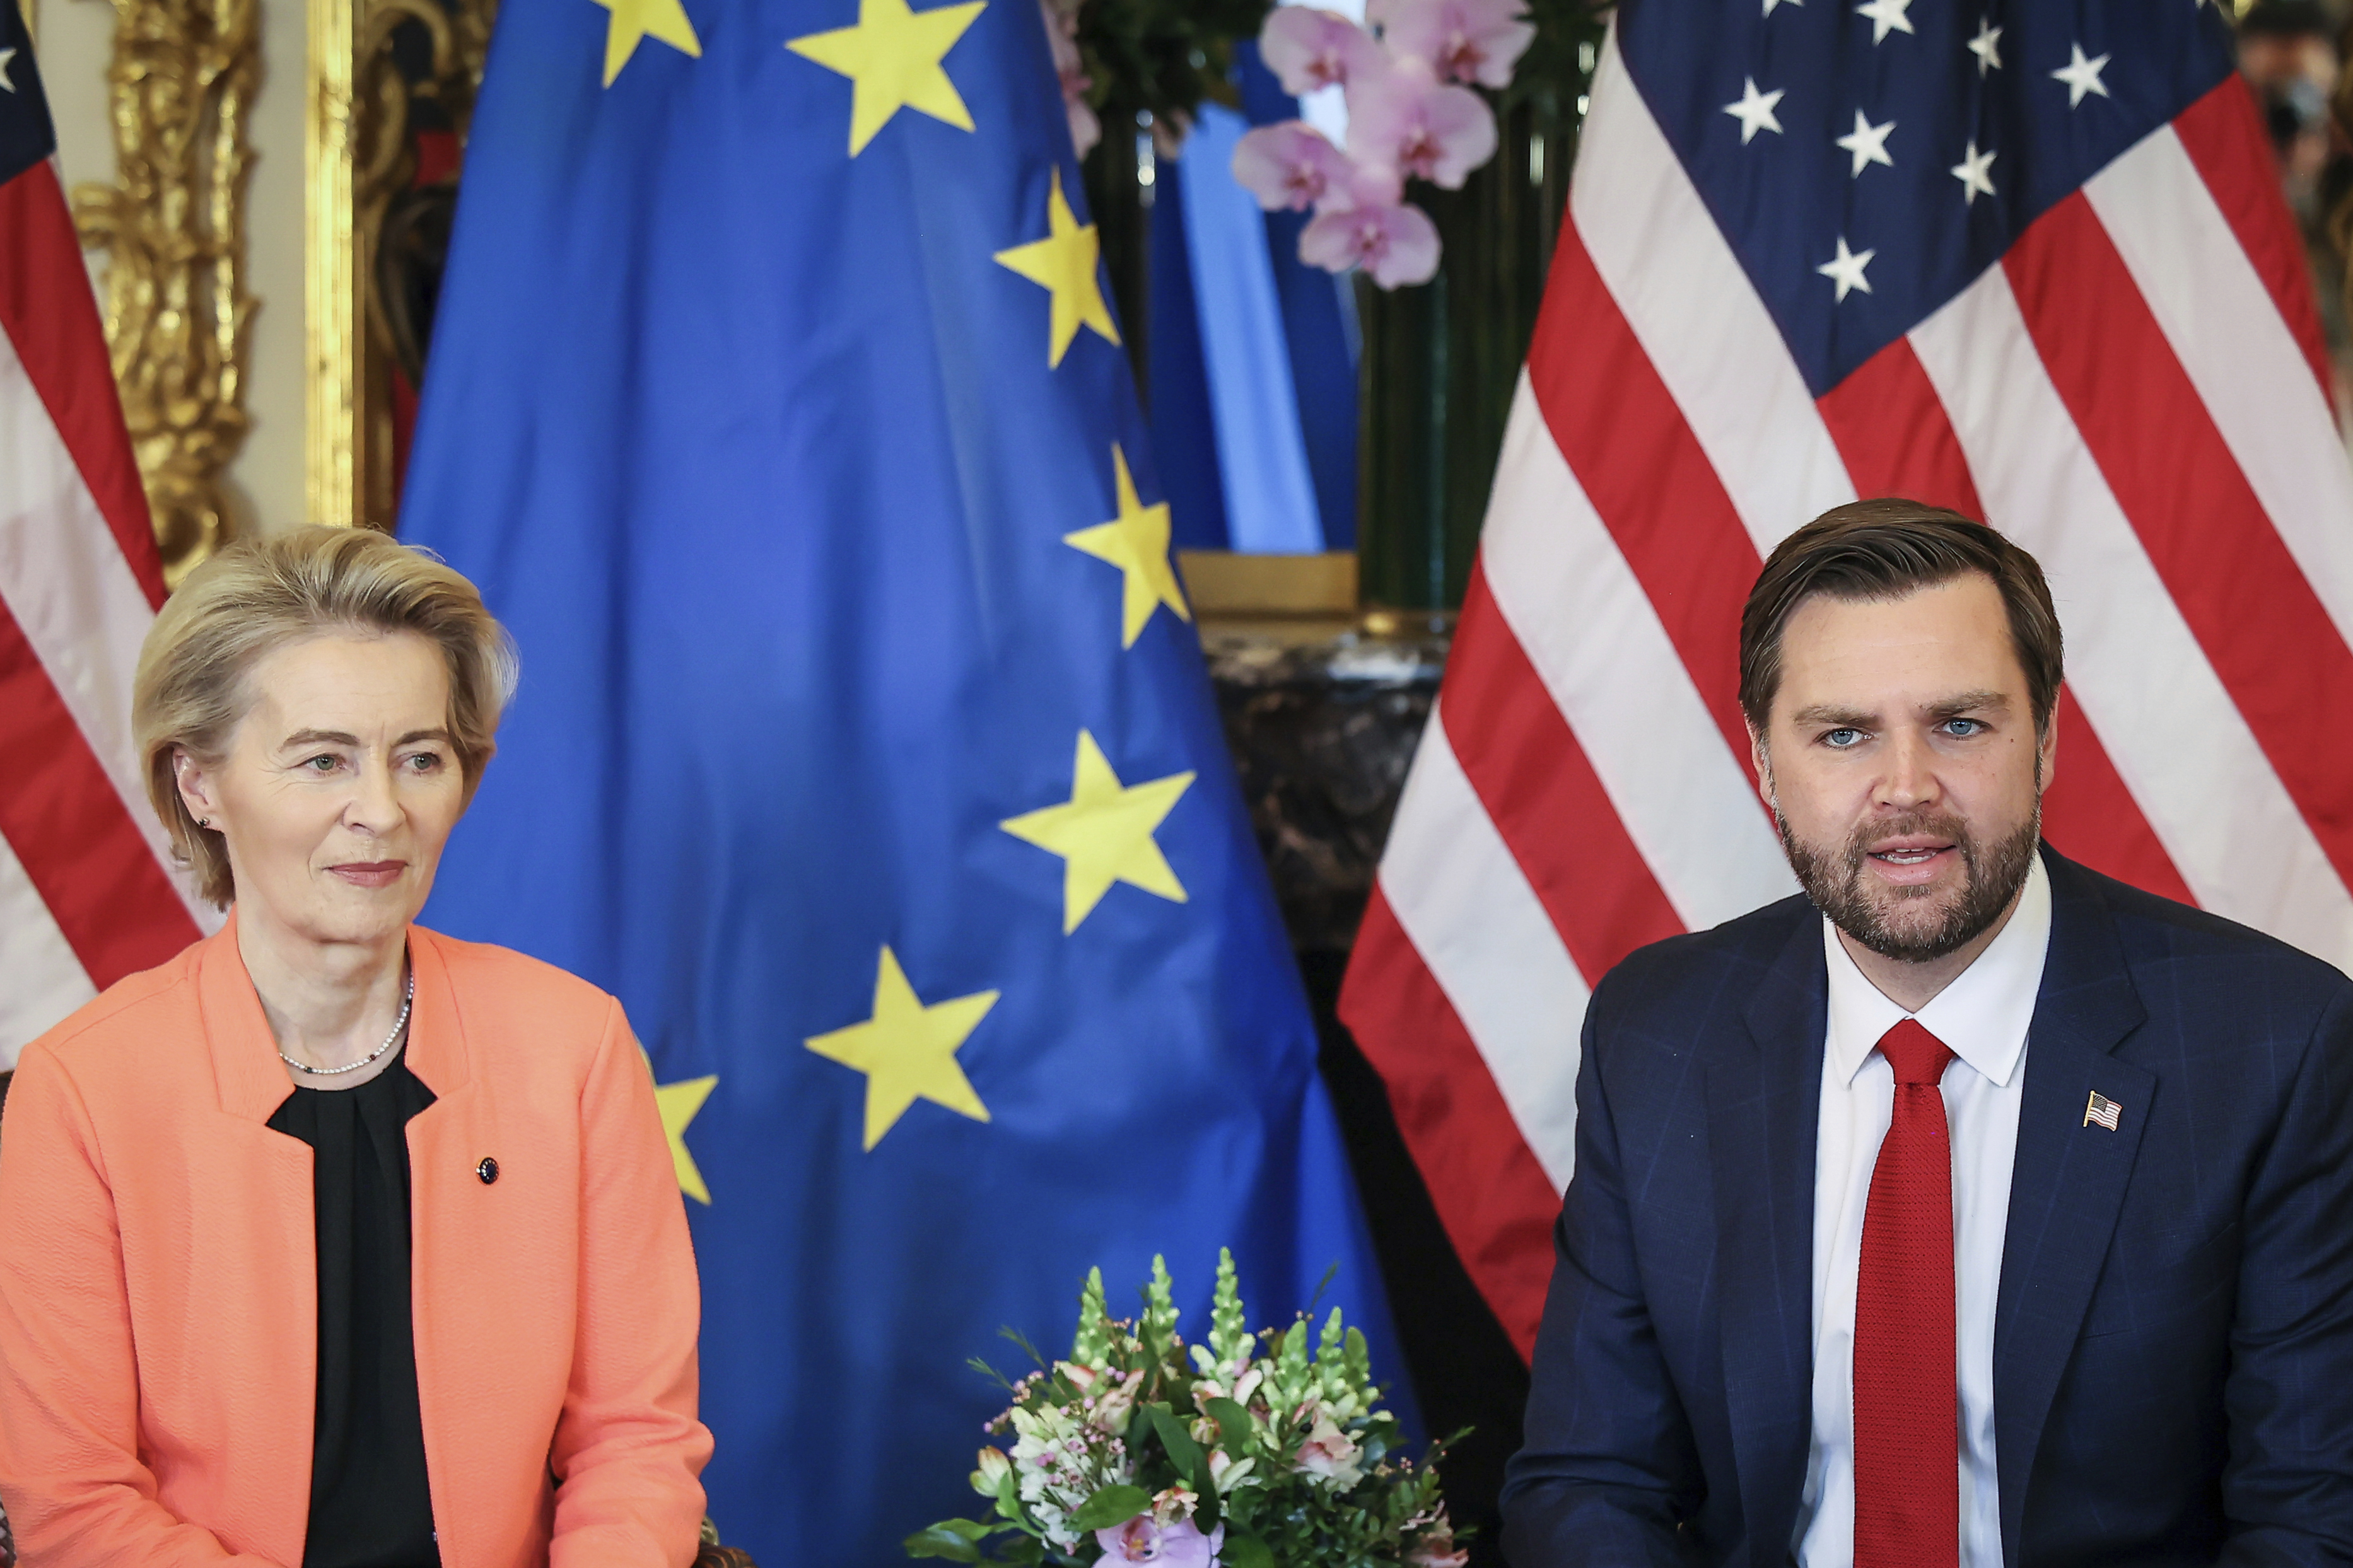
(2173, 1341)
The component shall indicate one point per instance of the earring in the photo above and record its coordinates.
(204, 822)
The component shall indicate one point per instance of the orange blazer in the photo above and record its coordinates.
(159, 1278)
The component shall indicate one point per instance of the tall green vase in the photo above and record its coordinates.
(1439, 362)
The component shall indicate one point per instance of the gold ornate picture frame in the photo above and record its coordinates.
(360, 152)
(180, 82)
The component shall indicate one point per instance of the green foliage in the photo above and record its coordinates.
(957, 1540)
(1092, 1341)
(1112, 1506)
(1164, 56)
(1230, 1335)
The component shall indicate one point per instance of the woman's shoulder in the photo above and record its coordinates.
(136, 1009)
(497, 984)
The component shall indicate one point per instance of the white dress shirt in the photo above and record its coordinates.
(1982, 1016)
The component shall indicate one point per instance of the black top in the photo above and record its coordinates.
(370, 1504)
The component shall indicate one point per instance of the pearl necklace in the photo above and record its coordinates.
(397, 1025)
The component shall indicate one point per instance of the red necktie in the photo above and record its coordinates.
(1907, 1510)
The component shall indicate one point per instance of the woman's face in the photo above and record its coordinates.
(340, 786)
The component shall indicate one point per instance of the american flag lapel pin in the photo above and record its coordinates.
(2103, 1110)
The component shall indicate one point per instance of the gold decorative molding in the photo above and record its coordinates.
(360, 153)
(180, 83)
(329, 273)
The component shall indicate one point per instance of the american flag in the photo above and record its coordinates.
(85, 893)
(2023, 258)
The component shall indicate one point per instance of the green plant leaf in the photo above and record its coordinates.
(1243, 1550)
(953, 1539)
(1112, 1506)
(1190, 1462)
(1234, 1426)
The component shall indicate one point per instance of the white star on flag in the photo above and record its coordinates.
(2082, 75)
(6, 56)
(1868, 143)
(1987, 46)
(1755, 110)
(1971, 171)
(1770, 4)
(1845, 270)
(1886, 17)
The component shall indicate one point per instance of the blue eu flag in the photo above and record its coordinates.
(864, 747)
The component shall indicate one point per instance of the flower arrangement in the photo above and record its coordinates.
(1246, 1452)
(1408, 76)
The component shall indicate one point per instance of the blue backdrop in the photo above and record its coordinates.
(864, 748)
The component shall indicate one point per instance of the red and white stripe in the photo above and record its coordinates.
(2138, 394)
(86, 892)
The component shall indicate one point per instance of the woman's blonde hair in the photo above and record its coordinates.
(258, 595)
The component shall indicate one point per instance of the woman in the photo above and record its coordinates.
(333, 1241)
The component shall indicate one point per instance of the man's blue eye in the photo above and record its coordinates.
(1842, 739)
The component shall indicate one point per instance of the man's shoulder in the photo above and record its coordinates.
(1685, 978)
(2181, 955)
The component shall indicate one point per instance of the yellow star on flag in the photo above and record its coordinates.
(1063, 263)
(1136, 542)
(1103, 834)
(908, 1051)
(634, 20)
(894, 57)
(678, 1102)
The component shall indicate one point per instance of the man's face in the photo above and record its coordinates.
(1901, 761)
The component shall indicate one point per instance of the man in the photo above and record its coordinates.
(1974, 1208)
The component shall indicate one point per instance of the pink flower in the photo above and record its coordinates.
(1367, 185)
(1308, 48)
(1396, 244)
(1407, 118)
(1463, 40)
(1289, 165)
(1178, 1545)
(1329, 1453)
(1063, 37)
(1436, 1548)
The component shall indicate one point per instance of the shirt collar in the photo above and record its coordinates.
(1982, 1016)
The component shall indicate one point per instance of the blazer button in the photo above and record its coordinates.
(487, 1169)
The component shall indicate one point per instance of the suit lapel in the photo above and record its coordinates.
(2067, 1180)
(1764, 1104)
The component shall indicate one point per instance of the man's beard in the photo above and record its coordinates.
(1992, 874)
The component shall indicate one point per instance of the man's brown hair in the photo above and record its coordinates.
(1885, 549)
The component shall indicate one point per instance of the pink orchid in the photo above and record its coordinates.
(1396, 244)
(1289, 165)
(1063, 38)
(1178, 1545)
(1365, 185)
(1407, 118)
(1308, 48)
(1463, 40)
